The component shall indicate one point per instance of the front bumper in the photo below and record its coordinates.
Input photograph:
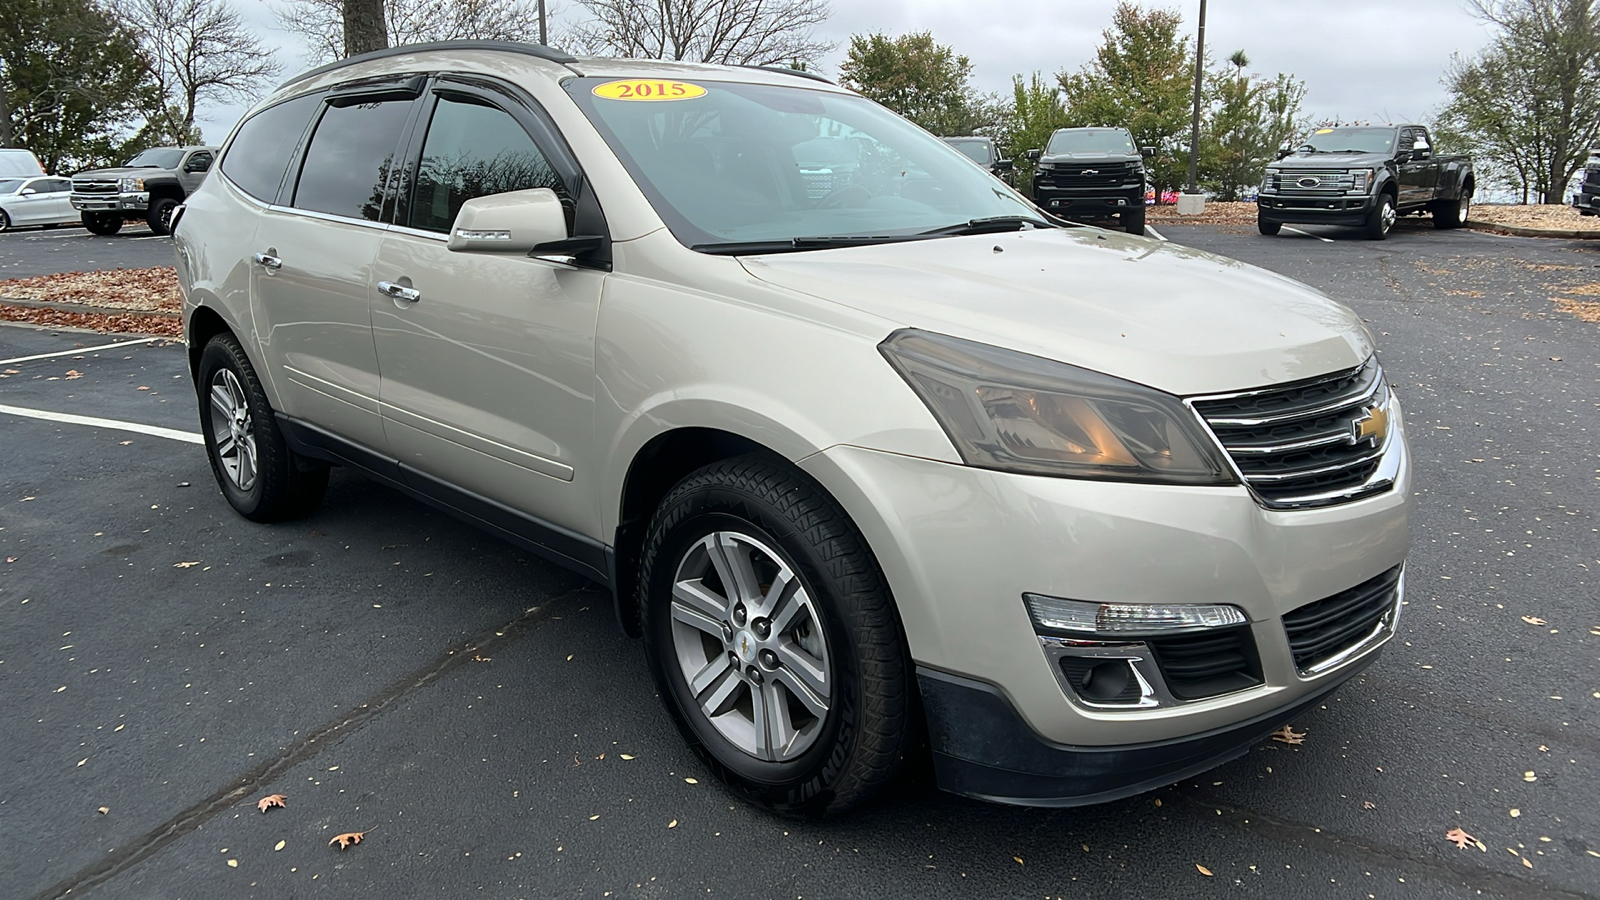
(130, 201)
(960, 547)
(1287, 209)
(1098, 204)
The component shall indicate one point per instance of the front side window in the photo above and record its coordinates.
(60, 185)
(347, 164)
(728, 163)
(199, 161)
(260, 152)
(473, 150)
(157, 158)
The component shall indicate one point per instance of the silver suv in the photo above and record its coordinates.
(869, 462)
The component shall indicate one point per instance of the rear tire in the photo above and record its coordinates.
(1381, 219)
(1452, 213)
(807, 631)
(159, 216)
(5, 221)
(1133, 221)
(102, 223)
(262, 478)
(1270, 229)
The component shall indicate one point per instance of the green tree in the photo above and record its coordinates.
(1141, 78)
(920, 79)
(1035, 113)
(1529, 103)
(74, 80)
(1247, 120)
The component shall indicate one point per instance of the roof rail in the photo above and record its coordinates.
(785, 70)
(535, 50)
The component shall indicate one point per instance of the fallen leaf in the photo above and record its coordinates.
(1203, 870)
(104, 810)
(691, 780)
(1534, 620)
(1526, 863)
(1515, 813)
(1019, 860)
(11, 559)
(144, 387)
(673, 824)
(278, 846)
(1368, 804)
(592, 818)
(1288, 735)
(627, 756)
(348, 838)
(1529, 776)
(269, 801)
(1463, 840)
(233, 864)
(186, 565)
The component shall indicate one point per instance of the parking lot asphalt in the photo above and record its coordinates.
(26, 252)
(479, 713)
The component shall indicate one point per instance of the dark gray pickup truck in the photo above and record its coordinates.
(149, 187)
(1365, 177)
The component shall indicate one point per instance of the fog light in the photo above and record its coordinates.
(1122, 619)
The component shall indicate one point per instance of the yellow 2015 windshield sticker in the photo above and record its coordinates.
(649, 89)
(1324, 131)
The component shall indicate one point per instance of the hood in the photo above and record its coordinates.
(1166, 316)
(121, 172)
(1333, 161)
(1076, 158)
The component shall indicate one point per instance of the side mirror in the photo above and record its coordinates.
(1421, 150)
(1147, 152)
(1004, 165)
(1283, 152)
(1033, 155)
(517, 222)
(27, 192)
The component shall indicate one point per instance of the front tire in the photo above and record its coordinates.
(1381, 219)
(1270, 229)
(159, 215)
(773, 638)
(102, 223)
(1133, 220)
(5, 221)
(262, 478)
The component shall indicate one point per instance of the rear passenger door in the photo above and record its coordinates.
(488, 372)
(312, 278)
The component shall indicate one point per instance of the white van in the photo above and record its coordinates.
(19, 162)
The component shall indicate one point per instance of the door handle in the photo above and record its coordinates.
(265, 261)
(399, 292)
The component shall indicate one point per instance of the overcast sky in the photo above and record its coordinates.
(1373, 60)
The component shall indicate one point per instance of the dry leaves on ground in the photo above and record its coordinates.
(164, 325)
(269, 801)
(1216, 214)
(1534, 620)
(143, 290)
(348, 838)
(1557, 217)
(1463, 840)
(1203, 870)
(1288, 735)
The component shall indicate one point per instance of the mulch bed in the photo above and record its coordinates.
(140, 301)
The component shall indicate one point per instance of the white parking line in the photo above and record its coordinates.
(22, 359)
(187, 437)
(1151, 230)
(1310, 235)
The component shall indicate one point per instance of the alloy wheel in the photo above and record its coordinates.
(749, 644)
(232, 429)
(1389, 217)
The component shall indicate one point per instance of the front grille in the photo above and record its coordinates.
(1322, 630)
(1313, 183)
(94, 187)
(1307, 443)
(1097, 175)
(1207, 663)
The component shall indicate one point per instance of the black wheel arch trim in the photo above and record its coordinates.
(983, 748)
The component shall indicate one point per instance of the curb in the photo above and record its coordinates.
(1520, 231)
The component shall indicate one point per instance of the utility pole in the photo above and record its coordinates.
(1194, 134)
(542, 38)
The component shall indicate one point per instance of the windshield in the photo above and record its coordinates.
(1350, 140)
(157, 158)
(977, 151)
(10, 185)
(1091, 140)
(729, 163)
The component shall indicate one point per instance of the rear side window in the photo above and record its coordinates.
(473, 150)
(346, 167)
(261, 150)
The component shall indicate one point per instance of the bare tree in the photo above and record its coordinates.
(197, 51)
(731, 32)
(322, 23)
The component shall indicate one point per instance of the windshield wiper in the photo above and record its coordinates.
(990, 225)
(789, 245)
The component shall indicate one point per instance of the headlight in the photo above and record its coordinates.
(1113, 619)
(1361, 181)
(1019, 413)
(1270, 181)
(130, 184)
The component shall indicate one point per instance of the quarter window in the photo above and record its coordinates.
(474, 150)
(347, 165)
(261, 150)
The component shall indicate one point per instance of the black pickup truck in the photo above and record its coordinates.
(1587, 198)
(1365, 177)
(1090, 175)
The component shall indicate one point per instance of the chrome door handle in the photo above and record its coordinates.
(399, 292)
(265, 261)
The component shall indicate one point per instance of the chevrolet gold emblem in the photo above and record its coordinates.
(1374, 423)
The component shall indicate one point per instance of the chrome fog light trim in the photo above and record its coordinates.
(1123, 619)
(1152, 690)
